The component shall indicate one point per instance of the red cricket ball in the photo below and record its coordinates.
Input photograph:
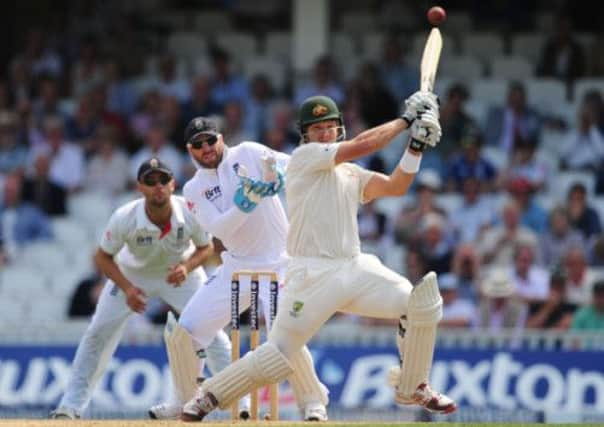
(436, 15)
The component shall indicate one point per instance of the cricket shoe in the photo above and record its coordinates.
(198, 407)
(428, 398)
(165, 411)
(64, 413)
(315, 412)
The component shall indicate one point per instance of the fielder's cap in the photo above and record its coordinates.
(153, 165)
(498, 284)
(429, 178)
(200, 126)
(447, 282)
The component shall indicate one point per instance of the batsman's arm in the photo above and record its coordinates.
(395, 184)
(369, 141)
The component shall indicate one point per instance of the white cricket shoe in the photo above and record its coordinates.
(429, 399)
(315, 412)
(64, 413)
(165, 411)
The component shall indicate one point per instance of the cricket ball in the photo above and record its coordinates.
(436, 15)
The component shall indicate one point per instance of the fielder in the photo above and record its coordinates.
(327, 272)
(153, 246)
(234, 195)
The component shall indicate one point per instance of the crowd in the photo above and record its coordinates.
(82, 116)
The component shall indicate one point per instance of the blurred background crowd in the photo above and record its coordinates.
(507, 209)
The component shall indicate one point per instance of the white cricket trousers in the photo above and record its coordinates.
(317, 288)
(105, 330)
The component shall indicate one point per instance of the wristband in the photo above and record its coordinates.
(410, 162)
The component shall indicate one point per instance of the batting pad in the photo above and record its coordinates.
(265, 365)
(184, 364)
(423, 314)
(304, 381)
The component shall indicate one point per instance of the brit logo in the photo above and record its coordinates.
(180, 232)
(144, 240)
(213, 193)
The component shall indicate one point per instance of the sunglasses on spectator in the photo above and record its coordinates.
(198, 143)
(151, 181)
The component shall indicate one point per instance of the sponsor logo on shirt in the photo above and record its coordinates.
(180, 233)
(144, 240)
(213, 193)
(236, 168)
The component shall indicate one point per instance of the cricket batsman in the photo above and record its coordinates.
(327, 272)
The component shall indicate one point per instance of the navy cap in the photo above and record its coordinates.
(152, 165)
(200, 126)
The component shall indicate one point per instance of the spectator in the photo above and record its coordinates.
(554, 312)
(498, 308)
(415, 265)
(524, 164)
(583, 148)
(20, 83)
(324, 82)
(107, 171)
(200, 103)
(581, 277)
(562, 56)
(475, 215)
(377, 105)
(530, 280)
(47, 102)
(40, 58)
(466, 268)
(427, 184)
(400, 79)
(373, 225)
(532, 215)
(40, 190)
(170, 118)
(233, 128)
(434, 244)
(470, 163)
(66, 159)
(226, 86)
(282, 118)
(582, 216)
(147, 114)
(81, 126)
(457, 312)
(156, 145)
(257, 107)
(454, 120)
(277, 140)
(559, 238)
(496, 245)
(13, 155)
(22, 222)
(169, 82)
(516, 120)
(87, 69)
(122, 99)
(592, 316)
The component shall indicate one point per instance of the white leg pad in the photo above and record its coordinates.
(184, 364)
(265, 365)
(423, 314)
(304, 381)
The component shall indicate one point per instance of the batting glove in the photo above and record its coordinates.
(425, 131)
(417, 104)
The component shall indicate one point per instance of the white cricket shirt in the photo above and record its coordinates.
(323, 200)
(261, 233)
(142, 246)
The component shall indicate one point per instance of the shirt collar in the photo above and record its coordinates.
(142, 220)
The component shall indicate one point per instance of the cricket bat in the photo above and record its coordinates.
(430, 59)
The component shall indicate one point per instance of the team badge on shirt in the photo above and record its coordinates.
(296, 308)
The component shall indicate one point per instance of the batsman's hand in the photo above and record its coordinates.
(177, 274)
(425, 131)
(136, 299)
(419, 103)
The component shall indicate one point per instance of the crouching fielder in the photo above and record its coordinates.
(328, 273)
(153, 246)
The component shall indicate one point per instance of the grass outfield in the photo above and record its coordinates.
(150, 423)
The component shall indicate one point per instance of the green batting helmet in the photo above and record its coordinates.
(317, 109)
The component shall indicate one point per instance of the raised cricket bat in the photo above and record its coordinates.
(430, 59)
